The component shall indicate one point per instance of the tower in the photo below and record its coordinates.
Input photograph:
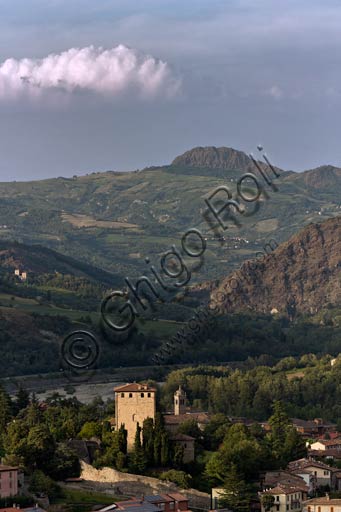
(180, 401)
(133, 404)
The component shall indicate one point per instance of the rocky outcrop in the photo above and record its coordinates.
(213, 158)
(301, 275)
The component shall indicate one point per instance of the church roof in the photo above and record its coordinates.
(175, 419)
(134, 387)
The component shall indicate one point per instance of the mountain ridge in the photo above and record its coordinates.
(302, 275)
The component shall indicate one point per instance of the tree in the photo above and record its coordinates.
(164, 449)
(180, 478)
(148, 440)
(178, 457)
(190, 428)
(121, 460)
(138, 459)
(42, 484)
(236, 495)
(239, 448)
(122, 439)
(40, 447)
(64, 464)
(279, 423)
(286, 443)
(22, 399)
(90, 429)
(5, 409)
(267, 501)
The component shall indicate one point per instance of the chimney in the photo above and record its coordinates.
(327, 496)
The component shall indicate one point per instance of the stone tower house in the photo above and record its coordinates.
(180, 401)
(133, 404)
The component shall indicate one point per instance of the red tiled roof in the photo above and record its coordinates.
(283, 489)
(177, 496)
(134, 387)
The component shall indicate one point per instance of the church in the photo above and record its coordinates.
(136, 402)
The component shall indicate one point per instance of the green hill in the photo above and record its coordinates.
(114, 220)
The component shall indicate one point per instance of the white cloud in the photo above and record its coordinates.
(275, 91)
(107, 72)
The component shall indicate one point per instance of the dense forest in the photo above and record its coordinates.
(310, 388)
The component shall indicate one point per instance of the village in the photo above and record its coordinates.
(308, 484)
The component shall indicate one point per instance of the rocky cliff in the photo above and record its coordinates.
(301, 275)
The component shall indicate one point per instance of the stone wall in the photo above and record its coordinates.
(136, 485)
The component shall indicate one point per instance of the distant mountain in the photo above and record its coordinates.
(214, 158)
(115, 220)
(303, 275)
(321, 178)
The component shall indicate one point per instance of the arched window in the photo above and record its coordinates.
(130, 395)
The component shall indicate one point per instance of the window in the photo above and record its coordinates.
(318, 509)
(176, 402)
(331, 509)
(122, 395)
(142, 395)
(149, 395)
(287, 507)
(309, 509)
(277, 508)
(130, 395)
(277, 498)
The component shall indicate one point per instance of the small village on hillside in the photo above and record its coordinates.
(96, 460)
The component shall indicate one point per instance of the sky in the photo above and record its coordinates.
(123, 84)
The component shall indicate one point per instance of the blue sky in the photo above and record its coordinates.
(234, 73)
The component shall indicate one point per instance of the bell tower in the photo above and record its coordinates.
(180, 401)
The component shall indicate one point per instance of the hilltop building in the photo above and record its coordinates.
(136, 402)
(21, 275)
(133, 404)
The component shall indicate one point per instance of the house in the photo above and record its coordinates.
(285, 498)
(314, 428)
(21, 275)
(217, 493)
(327, 444)
(8, 481)
(282, 477)
(174, 502)
(322, 472)
(324, 504)
(187, 443)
